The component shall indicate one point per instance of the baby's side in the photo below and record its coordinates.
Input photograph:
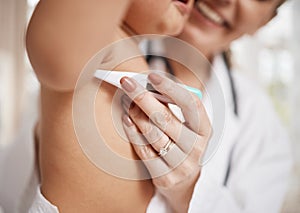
(68, 179)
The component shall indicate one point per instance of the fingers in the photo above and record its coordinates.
(168, 170)
(152, 133)
(158, 113)
(185, 139)
(175, 156)
(155, 165)
(155, 136)
(184, 174)
(157, 124)
(191, 106)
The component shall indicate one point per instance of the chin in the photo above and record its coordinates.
(171, 30)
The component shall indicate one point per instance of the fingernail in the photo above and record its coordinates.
(127, 84)
(127, 120)
(155, 78)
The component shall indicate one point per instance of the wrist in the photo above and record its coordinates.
(179, 196)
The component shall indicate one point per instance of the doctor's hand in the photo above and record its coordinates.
(171, 150)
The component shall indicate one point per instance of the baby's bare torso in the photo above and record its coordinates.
(69, 179)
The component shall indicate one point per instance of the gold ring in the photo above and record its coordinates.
(164, 150)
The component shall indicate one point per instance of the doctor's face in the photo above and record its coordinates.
(216, 23)
(158, 16)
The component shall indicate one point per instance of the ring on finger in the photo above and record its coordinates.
(164, 150)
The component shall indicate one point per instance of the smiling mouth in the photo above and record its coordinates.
(211, 14)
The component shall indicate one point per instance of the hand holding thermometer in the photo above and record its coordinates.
(114, 77)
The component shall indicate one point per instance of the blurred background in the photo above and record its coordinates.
(271, 57)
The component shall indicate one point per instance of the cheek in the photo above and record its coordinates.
(161, 17)
(150, 9)
(251, 18)
(247, 26)
(171, 22)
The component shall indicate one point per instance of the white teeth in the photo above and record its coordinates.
(209, 13)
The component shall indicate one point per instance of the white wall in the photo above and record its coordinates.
(12, 26)
(293, 201)
(295, 101)
(16, 156)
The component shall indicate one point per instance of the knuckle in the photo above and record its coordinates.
(208, 132)
(185, 169)
(168, 85)
(160, 141)
(165, 182)
(196, 103)
(132, 135)
(135, 112)
(161, 118)
(146, 128)
(154, 135)
(198, 148)
(197, 154)
(159, 181)
(143, 151)
(141, 96)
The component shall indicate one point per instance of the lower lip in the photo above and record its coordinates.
(201, 18)
(182, 7)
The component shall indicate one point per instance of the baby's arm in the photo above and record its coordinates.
(64, 34)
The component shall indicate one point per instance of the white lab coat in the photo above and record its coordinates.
(257, 148)
(256, 145)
